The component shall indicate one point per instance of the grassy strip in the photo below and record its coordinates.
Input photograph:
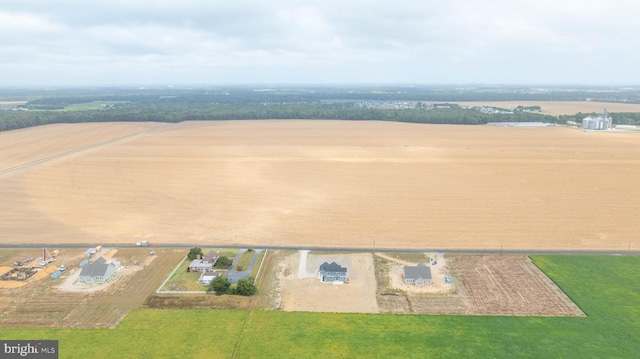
(244, 261)
(605, 287)
(256, 267)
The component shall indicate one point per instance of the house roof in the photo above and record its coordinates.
(199, 263)
(97, 268)
(416, 272)
(208, 274)
(333, 267)
(211, 257)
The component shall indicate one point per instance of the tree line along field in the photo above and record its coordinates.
(603, 286)
(321, 184)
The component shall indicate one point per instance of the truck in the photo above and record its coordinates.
(95, 250)
(56, 274)
(142, 244)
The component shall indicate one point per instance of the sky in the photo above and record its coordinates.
(188, 42)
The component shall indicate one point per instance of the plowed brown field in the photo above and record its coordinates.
(326, 183)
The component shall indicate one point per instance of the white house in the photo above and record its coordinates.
(419, 275)
(98, 271)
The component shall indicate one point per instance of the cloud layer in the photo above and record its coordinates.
(73, 42)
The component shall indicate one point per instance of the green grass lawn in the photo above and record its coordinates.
(183, 280)
(607, 288)
(256, 267)
(244, 261)
(410, 257)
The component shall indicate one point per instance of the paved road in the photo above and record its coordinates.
(335, 249)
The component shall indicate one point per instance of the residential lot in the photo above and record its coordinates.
(64, 303)
(357, 295)
(481, 285)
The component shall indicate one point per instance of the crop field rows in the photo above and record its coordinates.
(483, 285)
(509, 285)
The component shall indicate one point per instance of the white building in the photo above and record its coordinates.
(599, 123)
(98, 271)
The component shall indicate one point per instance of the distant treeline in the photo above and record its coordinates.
(177, 112)
(242, 103)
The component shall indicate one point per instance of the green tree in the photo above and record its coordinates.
(223, 262)
(245, 287)
(194, 253)
(219, 285)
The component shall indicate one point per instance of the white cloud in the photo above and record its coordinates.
(319, 40)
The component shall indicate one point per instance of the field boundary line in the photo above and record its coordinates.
(260, 268)
(80, 149)
(158, 291)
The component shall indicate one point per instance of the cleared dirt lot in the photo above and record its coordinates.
(508, 285)
(64, 303)
(330, 183)
(311, 295)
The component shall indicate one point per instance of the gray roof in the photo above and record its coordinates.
(419, 271)
(199, 263)
(333, 267)
(211, 257)
(96, 269)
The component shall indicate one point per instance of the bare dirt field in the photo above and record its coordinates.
(325, 183)
(481, 285)
(509, 285)
(65, 303)
(308, 294)
(556, 108)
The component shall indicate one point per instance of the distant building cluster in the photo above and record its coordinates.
(599, 123)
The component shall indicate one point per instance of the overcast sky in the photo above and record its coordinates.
(132, 42)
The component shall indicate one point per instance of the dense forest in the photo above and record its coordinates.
(244, 102)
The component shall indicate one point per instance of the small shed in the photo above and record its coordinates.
(207, 277)
(419, 275)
